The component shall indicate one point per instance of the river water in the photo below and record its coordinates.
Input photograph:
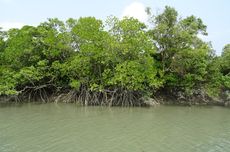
(70, 128)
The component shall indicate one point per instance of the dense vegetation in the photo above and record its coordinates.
(119, 62)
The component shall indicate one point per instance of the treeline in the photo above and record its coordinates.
(119, 62)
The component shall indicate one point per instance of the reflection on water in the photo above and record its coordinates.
(67, 127)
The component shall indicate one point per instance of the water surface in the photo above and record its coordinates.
(69, 128)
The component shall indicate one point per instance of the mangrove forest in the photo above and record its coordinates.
(117, 62)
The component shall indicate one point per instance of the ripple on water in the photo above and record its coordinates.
(66, 127)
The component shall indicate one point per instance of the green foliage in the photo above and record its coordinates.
(133, 68)
(183, 56)
(213, 78)
(123, 54)
(226, 80)
(7, 82)
(133, 75)
(75, 84)
(225, 66)
(225, 59)
(111, 60)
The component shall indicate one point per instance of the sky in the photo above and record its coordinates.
(214, 13)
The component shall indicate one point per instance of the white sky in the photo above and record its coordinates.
(136, 10)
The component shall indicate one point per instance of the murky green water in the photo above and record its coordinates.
(68, 128)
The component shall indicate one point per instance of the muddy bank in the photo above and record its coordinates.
(122, 99)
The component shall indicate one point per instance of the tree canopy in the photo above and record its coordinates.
(118, 62)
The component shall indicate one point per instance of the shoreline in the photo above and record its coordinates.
(148, 102)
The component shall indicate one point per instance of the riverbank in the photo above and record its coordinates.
(91, 100)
